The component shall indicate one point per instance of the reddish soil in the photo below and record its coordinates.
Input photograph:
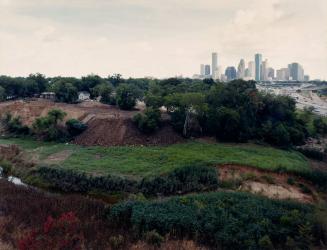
(267, 183)
(107, 125)
(122, 131)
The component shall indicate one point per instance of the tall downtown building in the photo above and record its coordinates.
(230, 73)
(251, 69)
(258, 65)
(214, 66)
(296, 71)
(241, 69)
(207, 70)
(202, 69)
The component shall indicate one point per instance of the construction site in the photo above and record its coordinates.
(107, 125)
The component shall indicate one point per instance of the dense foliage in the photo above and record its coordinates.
(57, 233)
(14, 125)
(71, 181)
(223, 220)
(148, 122)
(182, 180)
(47, 127)
(126, 96)
(75, 127)
(234, 111)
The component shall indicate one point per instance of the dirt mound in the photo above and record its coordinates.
(116, 131)
(107, 125)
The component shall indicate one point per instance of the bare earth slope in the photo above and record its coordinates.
(107, 125)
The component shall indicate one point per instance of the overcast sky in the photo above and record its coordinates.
(158, 38)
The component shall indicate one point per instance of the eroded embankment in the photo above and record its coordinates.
(267, 183)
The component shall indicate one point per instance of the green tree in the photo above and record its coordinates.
(149, 121)
(320, 125)
(75, 127)
(188, 112)
(225, 122)
(56, 115)
(40, 80)
(47, 127)
(126, 96)
(105, 91)
(65, 91)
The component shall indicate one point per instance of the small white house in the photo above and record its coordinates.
(83, 96)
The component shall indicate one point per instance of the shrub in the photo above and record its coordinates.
(149, 122)
(14, 125)
(6, 167)
(290, 181)
(47, 127)
(182, 180)
(154, 101)
(153, 238)
(317, 177)
(265, 243)
(75, 127)
(305, 189)
(117, 242)
(312, 153)
(71, 181)
(280, 136)
(221, 220)
(60, 233)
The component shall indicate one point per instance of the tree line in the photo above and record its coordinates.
(234, 111)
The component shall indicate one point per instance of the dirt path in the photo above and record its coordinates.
(58, 157)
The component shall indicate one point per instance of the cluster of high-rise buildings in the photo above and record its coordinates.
(258, 70)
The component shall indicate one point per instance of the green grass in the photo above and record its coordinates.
(144, 161)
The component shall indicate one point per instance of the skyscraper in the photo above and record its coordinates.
(271, 73)
(258, 63)
(230, 73)
(214, 66)
(202, 70)
(251, 67)
(264, 70)
(296, 71)
(207, 70)
(241, 69)
(283, 74)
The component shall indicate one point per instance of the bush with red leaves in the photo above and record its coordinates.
(57, 234)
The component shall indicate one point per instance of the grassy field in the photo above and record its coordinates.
(144, 161)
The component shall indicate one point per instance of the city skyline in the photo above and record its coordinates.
(257, 69)
(146, 38)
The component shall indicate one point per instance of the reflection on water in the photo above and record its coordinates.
(12, 179)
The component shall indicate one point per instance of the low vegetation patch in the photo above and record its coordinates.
(155, 160)
(182, 180)
(223, 220)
